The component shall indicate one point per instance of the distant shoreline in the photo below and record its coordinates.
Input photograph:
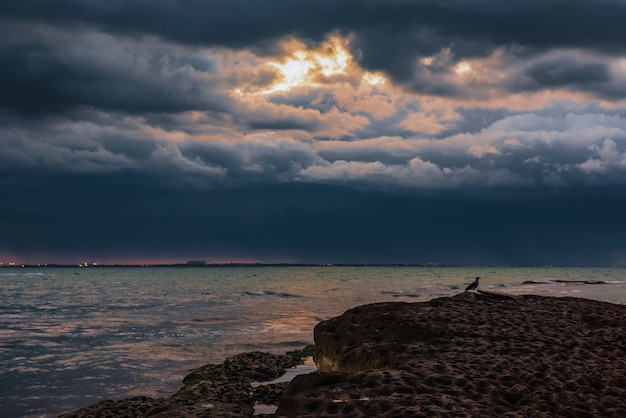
(213, 265)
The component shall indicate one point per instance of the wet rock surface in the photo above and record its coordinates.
(474, 354)
(215, 390)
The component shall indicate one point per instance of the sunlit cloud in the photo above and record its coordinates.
(606, 156)
(218, 112)
(323, 65)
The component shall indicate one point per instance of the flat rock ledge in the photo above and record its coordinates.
(212, 391)
(471, 355)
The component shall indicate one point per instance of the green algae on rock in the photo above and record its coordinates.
(214, 390)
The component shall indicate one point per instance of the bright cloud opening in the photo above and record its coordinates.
(305, 67)
(462, 67)
(294, 72)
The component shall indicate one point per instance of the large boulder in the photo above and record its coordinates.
(474, 354)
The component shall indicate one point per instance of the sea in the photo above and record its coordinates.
(70, 337)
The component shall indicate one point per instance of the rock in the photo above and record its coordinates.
(188, 409)
(230, 381)
(470, 355)
(126, 408)
(212, 391)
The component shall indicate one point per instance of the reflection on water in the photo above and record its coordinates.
(70, 337)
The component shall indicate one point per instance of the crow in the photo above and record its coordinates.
(472, 285)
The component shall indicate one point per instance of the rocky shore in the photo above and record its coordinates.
(224, 390)
(474, 354)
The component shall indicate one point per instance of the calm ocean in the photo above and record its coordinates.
(70, 337)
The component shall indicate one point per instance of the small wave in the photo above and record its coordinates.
(579, 281)
(400, 293)
(270, 293)
(27, 275)
(560, 281)
(201, 320)
(258, 293)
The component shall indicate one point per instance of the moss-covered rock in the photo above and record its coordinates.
(214, 390)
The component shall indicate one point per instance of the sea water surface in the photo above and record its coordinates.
(70, 337)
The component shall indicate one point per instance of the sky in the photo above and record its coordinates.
(326, 131)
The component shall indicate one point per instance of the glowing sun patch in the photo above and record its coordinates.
(304, 67)
(462, 68)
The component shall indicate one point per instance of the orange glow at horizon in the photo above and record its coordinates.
(7, 260)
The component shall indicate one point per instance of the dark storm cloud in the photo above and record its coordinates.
(282, 123)
(129, 148)
(314, 224)
(389, 34)
(45, 69)
(311, 100)
(568, 72)
(475, 119)
(242, 22)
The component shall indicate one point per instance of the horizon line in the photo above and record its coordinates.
(199, 264)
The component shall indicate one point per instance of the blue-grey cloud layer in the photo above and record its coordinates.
(121, 134)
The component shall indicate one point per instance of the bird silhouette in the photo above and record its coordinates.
(472, 285)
